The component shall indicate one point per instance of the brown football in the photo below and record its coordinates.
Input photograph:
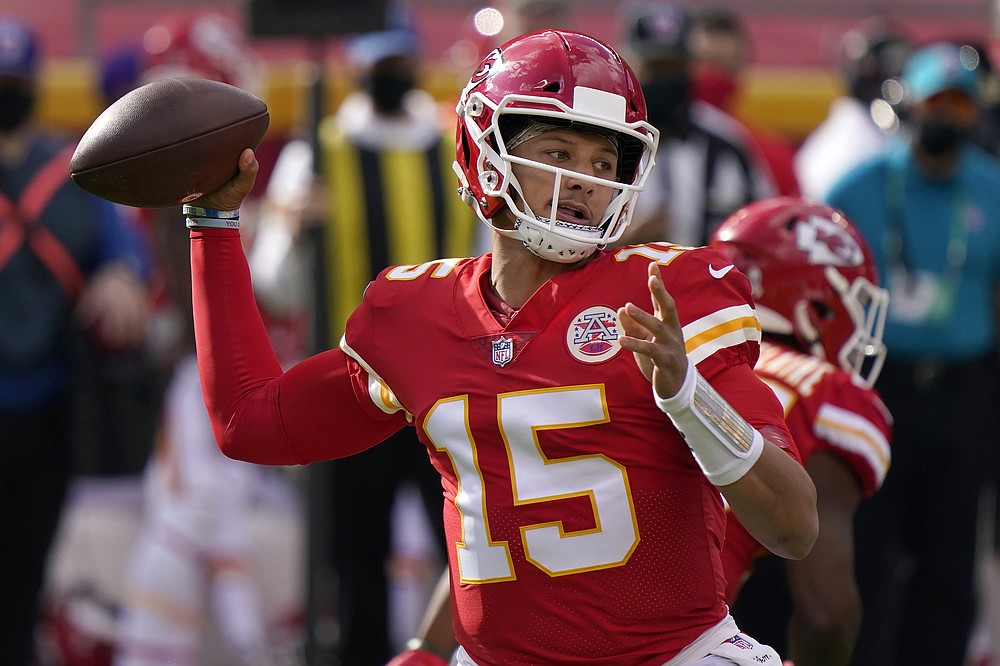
(168, 142)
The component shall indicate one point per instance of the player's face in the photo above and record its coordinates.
(579, 201)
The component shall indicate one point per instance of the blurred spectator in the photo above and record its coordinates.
(707, 166)
(488, 27)
(117, 397)
(70, 269)
(987, 133)
(192, 562)
(121, 68)
(720, 51)
(930, 208)
(870, 54)
(387, 164)
(193, 557)
(524, 16)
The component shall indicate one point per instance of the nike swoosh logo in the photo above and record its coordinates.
(719, 273)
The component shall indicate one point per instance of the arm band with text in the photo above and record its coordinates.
(210, 218)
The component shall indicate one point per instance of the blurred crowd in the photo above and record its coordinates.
(132, 540)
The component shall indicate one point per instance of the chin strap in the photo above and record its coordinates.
(809, 331)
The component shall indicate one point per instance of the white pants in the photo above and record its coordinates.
(722, 645)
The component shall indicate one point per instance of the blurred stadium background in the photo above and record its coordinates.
(788, 86)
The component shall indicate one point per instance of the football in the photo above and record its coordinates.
(168, 142)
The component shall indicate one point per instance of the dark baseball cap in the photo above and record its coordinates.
(18, 48)
(371, 48)
(657, 31)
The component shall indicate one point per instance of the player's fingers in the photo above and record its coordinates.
(248, 162)
(646, 334)
(651, 324)
(247, 176)
(627, 320)
(231, 195)
(633, 338)
(663, 303)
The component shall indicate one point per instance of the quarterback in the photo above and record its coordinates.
(585, 444)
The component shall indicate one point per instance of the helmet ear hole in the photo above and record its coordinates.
(823, 311)
(464, 147)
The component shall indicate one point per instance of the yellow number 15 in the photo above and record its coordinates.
(535, 478)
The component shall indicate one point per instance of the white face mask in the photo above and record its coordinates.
(562, 241)
(540, 231)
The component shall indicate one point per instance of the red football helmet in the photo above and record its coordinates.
(556, 78)
(200, 43)
(813, 279)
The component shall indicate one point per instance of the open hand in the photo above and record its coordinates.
(656, 339)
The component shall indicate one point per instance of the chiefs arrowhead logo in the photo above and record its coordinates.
(826, 243)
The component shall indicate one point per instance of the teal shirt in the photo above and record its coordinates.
(930, 212)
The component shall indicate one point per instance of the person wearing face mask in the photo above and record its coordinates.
(72, 273)
(721, 48)
(929, 206)
(708, 165)
(386, 137)
(854, 130)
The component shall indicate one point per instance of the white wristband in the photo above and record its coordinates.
(210, 218)
(212, 223)
(723, 443)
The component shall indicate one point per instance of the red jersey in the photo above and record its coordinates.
(825, 411)
(580, 527)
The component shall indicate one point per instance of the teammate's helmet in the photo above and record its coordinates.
(561, 79)
(813, 280)
(200, 43)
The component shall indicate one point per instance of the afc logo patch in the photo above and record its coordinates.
(592, 336)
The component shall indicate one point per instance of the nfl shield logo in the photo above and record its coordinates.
(503, 351)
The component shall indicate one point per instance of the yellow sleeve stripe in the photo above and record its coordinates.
(856, 434)
(378, 390)
(728, 327)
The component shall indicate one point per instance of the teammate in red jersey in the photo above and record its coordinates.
(822, 312)
(583, 507)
